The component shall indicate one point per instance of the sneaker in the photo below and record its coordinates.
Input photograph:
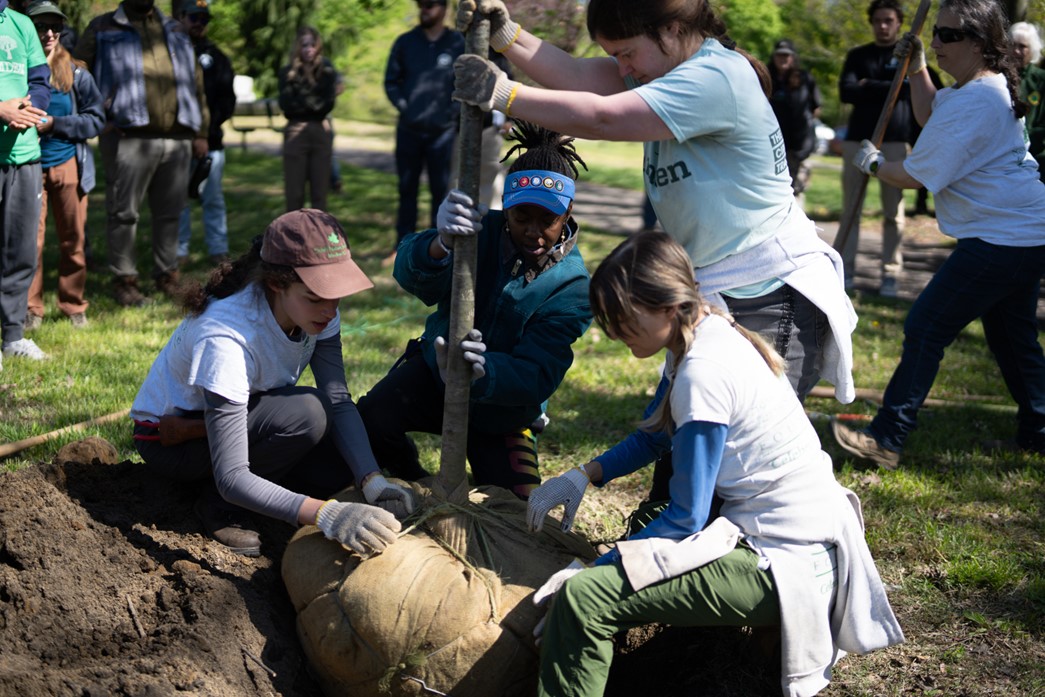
(24, 348)
(79, 319)
(125, 291)
(888, 288)
(863, 445)
(33, 322)
(227, 526)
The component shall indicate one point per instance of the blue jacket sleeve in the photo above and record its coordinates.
(39, 77)
(697, 456)
(640, 447)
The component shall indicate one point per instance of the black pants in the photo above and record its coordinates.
(410, 399)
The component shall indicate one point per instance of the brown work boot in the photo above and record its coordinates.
(169, 282)
(228, 525)
(125, 290)
(863, 445)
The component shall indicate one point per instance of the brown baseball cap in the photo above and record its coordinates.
(314, 244)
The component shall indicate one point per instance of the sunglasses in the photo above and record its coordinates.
(199, 18)
(947, 35)
(55, 28)
(429, 5)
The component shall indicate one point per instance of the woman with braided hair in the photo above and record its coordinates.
(973, 156)
(714, 161)
(531, 304)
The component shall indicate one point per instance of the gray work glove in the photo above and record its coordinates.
(477, 81)
(394, 498)
(566, 490)
(911, 43)
(473, 348)
(550, 588)
(503, 31)
(457, 217)
(363, 528)
(868, 159)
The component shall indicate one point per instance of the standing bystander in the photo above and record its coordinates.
(24, 97)
(796, 103)
(157, 118)
(419, 80)
(1026, 48)
(74, 115)
(221, 100)
(866, 79)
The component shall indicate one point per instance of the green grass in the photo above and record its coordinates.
(957, 533)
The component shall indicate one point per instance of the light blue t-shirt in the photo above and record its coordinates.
(972, 154)
(722, 186)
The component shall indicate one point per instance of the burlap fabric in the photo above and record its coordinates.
(422, 614)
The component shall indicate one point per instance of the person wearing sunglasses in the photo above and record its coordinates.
(972, 155)
(75, 115)
(866, 77)
(419, 80)
(1026, 46)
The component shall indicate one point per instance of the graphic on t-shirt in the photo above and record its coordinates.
(662, 176)
(776, 140)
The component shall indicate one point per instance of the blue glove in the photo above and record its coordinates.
(394, 498)
(457, 217)
(473, 348)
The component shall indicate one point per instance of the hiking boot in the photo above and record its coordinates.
(79, 320)
(125, 291)
(889, 287)
(24, 348)
(863, 445)
(227, 526)
(169, 282)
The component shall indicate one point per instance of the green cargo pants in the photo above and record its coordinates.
(595, 604)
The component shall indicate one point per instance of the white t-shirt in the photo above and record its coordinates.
(722, 186)
(973, 155)
(234, 348)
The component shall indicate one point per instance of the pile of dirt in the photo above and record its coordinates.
(108, 587)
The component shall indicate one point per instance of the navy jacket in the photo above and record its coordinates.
(419, 80)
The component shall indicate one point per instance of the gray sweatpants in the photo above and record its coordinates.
(20, 187)
(135, 167)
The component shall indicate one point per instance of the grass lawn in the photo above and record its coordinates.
(959, 535)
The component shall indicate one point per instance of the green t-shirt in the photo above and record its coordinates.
(20, 50)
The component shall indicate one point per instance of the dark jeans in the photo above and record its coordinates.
(288, 442)
(410, 399)
(794, 326)
(415, 151)
(1000, 286)
(20, 187)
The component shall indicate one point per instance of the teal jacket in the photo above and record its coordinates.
(529, 322)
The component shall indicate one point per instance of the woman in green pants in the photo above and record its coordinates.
(787, 547)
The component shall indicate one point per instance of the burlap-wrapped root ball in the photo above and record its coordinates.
(422, 615)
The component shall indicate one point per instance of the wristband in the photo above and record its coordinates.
(320, 510)
(504, 37)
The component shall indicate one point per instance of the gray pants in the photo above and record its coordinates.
(20, 189)
(892, 210)
(135, 167)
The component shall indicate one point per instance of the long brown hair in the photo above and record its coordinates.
(61, 64)
(232, 276)
(651, 270)
(299, 69)
(986, 22)
(623, 19)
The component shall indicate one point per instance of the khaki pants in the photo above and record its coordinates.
(892, 210)
(61, 192)
(307, 152)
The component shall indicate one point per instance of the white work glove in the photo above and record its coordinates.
(911, 43)
(479, 82)
(473, 348)
(869, 158)
(394, 498)
(363, 528)
(550, 588)
(566, 490)
(503, 31)
(457, 217)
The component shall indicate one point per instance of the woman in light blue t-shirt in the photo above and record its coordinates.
(972, 155)
(714, 164)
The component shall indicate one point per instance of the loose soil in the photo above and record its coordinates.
(109, 587)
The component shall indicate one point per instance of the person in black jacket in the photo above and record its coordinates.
(867, 76)
(307, 89)
(221, 100)
(796, 103)
(419, 80)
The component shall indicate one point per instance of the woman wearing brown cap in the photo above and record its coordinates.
(221, 404)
